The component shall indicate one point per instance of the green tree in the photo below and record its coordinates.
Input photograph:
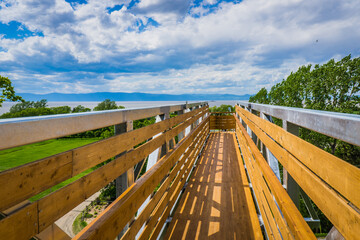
(8, 91)
(333, 86)
(80, 108)
(222, 108)
(28, 104)
(261, 96)
(107, 105)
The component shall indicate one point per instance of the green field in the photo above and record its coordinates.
(24, 154)
(17, 156)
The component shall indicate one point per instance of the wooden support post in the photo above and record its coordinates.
(127, 178)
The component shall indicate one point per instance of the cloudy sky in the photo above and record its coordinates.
(169, 46)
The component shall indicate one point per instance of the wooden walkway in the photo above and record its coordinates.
(215, 202)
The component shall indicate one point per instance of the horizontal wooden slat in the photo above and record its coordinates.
(249, 199)
(55, 205)
(20, 131)
(21, 183)
(108, 224)
(95, 153)
(168, 200)
(145, 214)
(21, 225)
(295, 221)
(261, 189)
(32, 178)
(346, 181)
(83, 188)
(255, 177)
(344, 217)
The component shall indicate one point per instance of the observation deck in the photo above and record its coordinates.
(233, 175)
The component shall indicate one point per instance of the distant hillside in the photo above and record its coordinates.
(100, 96)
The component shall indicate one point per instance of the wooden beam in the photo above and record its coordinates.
(297, 224)
(346, 181)
(108, 224)
(33, 178)
(336, 208)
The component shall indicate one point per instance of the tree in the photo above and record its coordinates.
(80, 108)
(28, 104)
(222, 108)
(333, 86)
(107, 105)
(8, 91)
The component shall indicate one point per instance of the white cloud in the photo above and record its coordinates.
(241, 47)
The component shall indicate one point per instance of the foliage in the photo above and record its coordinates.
(107, 105)
(222, 108)
(27, 104)
(39, 108)
(261, 96)
(333, 86)
(8, 91)
(80, 108)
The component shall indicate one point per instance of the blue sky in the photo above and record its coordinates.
(162, 46)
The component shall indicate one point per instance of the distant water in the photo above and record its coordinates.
(133, 104)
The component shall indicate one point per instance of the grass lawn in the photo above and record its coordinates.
(17, 156)
(24, 154)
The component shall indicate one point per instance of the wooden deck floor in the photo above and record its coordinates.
(214, 204)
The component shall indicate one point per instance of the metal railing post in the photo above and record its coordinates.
(127, 178)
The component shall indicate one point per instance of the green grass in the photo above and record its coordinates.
(28, 153)
(78, 225)
(17, 156)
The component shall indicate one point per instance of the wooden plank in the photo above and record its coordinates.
(33, 178)
(168, 200)
(263, 189)
(108, 224)
(98, 152)
(53, 233)
(21, 225)
(297, 224)
(21, 183)
(345, 218)
(249, 199)
(63, 200)
(145, 214)
(78, 191)
(266, 214)
(346, 181)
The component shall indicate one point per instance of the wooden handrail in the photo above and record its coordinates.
(338, 210)
(258, 169)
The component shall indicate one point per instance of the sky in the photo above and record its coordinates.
(170, 46)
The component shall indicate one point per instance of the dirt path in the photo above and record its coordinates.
(66, 222)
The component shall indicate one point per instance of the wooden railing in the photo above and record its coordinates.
(222, 121)
(331, 183)
(24, 219)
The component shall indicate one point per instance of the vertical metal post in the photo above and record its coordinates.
(291, 186)
(166, 146)
(182, 134)
(127, 178)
